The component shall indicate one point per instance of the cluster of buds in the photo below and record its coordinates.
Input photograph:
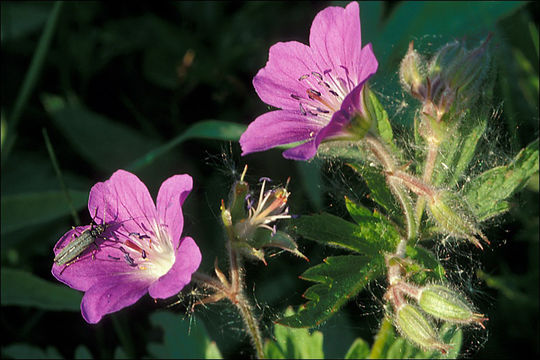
(414, 319)
(447, 84)
(250, 223)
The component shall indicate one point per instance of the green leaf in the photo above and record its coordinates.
(82, 352)
(294, 343)
(487, 193)
(99, 140)
(182, 339)
(358, 350)
(339, 279)
(425, 267)
(26, 351)
(21, 288)
(376, 182)
(456, 152)
(208, 129)
(20, 211)
(370, 236)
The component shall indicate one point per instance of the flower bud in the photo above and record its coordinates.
(445, 304)
(453, 220)
(412, 73)
(414, 326)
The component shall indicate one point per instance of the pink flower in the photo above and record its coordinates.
(140, 251)
(317, 87)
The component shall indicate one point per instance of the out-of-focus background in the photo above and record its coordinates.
(162, 88)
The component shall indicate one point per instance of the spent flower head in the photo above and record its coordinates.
(141, 249)
(318, 88)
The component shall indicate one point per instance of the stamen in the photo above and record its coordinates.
(333, 92)
(264, 178)
(322, 110)
(295, 97)
(313, 94)
(317, 75)
(303, 77)
(302, 110)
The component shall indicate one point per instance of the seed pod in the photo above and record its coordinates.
(414, 326)
(453, 220)
(445, 304)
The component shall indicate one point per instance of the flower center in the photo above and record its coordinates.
(323, 93)
(151, 252)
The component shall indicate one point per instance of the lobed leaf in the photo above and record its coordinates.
(339, 279)
(487, 193)
(358, 350)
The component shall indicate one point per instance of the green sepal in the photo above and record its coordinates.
(264, 238)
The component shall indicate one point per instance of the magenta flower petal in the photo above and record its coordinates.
(171, 197)
(277, 128)
(139, 250)
(188, 259)
(310, 84)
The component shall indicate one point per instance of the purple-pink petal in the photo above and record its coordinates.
(110, 295)
(171, 197)
(277, 128)
(188, 259)
(279, 79)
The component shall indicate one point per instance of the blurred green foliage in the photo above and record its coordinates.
(165, 87)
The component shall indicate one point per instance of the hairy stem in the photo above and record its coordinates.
(382, 154)
(429, 166)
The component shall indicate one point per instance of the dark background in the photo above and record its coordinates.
(116, 83)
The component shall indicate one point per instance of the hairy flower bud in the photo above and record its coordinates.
(414, 326)
(445, 304)
(452, 219)
(412, 73)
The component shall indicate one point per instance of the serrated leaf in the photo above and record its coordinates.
(182, 338)
(21, 288)
(369, 237)
(294, 343)
(384, 129)
(376, 182)
(339, 279)
(487, 193)
(24, 210)
(358, 350)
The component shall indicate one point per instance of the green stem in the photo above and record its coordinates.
(383, 335)
(31, 77)
(385, 158)
(56, 167)
(426, 176)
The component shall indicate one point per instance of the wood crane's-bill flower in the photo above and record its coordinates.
(140, 251)
(318, 88)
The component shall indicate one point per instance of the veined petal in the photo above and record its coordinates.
(279, 79)
(129, 199)
(188, 259)
(336, 39)
(171, 196)
(277, 128)
(111, 295)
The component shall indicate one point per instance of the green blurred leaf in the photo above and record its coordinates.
(22, 288)
(182, 339)
(82, 352)
(339, 279)
(101, 141)
(209, 129)
(26, 351)
(446, 19)
(358, 350)
(21, 18)
(20, 211)
(294, 343)
(310, 174)
(370, 236)
(487, 193)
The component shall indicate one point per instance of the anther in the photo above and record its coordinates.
(295, 97)
(302, 109)
(303, 77)
(317, 75)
